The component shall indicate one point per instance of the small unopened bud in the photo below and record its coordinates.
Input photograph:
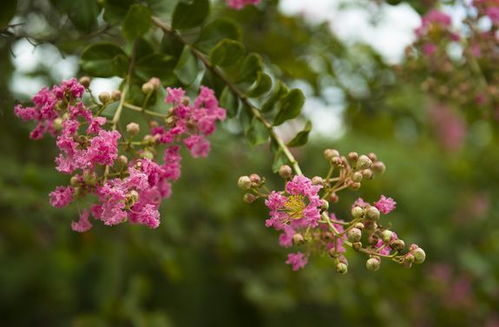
(353, 156)
(186, 101)
(336, 161)
(153, 123)
(364, 162)
(317, 180)
(379, 167)
(123, 160)
(249, 198)
(354, 235)
(133, 195)
(298, 238)
(372, 213)
(359, 226)
(341, 268)
(367, 173)
(357, 212)
(132, 128)
(372, 264)
(244, 183)
(57, 125)
(397, 245)
(408, 260)
(255, 179)
(74, 181)
(387, 235)
(89, 178)
(371, 226)
(373, 156)
(356, 177)
(147, 154)
(419, 255)
(85, 81)
(356, 245)
(104, 97)
(355, 186)
(285, 171)
(116, 95)
(147, 87)
(155, 82)
(329, 154)
(334, 198)
(325, 205)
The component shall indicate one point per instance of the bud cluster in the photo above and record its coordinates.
(129, 172)
(301, 213)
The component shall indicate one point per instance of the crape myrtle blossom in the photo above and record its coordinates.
(301, 214)
(128, 188)
(240, 4)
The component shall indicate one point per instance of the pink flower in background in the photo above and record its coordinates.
(493, 13)
(385, 205)
(297, 260)
(449, 127)
(429, 49)
(239, 4)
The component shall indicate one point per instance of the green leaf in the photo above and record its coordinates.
(226, 53)
(279, 160)
(154, 65)
(116, 10)
(187, 67)
(213, 82)
(302, 137)
(103, 60)
(172, 46)
(262, 85)
(216, 31)
(229, 102)
(110, 110)
(250, 68)
(83, 14)
(290, 106)
(257, 133)
(280, 90)
(137, 21)
(190, 14)
(7, 11)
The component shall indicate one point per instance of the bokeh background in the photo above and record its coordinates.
(212, 262)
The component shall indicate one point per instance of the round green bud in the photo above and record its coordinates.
(397, 245)
(147, 154)
(359, 226)
(372, 213)
(419, 255)
(116, 95)
(355, 185)
(285, 171)
(334, 198)
(74, 181)
(244, 183)
(255, 179)
(372, 156)
(147, 87)
(409, 258)
(364, 162)
(387, 235)
(357, 212)
(329, 154)
(298, 238)
(356, 245)
(123, 160)
(354, 235)
(325, 205)
(357, 177)
(249, 198)
(372, 264)
(341, 268)
(367, 173)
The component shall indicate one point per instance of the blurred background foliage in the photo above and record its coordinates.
(212, 262)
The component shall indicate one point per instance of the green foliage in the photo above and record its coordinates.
(262, 85)
(216, 31)
(104, 60)
(302, 137)
(187, 67)
(7, 12)
(226, 52)
(190, 14)
(137, 22)
(290, 106)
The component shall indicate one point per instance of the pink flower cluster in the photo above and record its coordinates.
(434, 21)
(126, 190)
(191, 123)
(385, 205)
(240, 4)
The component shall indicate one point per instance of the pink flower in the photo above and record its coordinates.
(175, 95)
(198, 145)
(103, 148)
(297, 260)
(239, 4)
(429, 49)
(385, 205)
(493, 13)
(83, 224)
(286, 238)
(62, 196)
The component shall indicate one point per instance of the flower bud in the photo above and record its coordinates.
(249, 198)
(372, 156)
(379, 167)
(355, 186)
(354, 235)
(244, 183)
(372, 264)
(387, 235)
(397, 244)
(356, 177)
(419, 255)
(329, 154)
(336, 161)
(367, 173)
(364, 162)
(408, 260)
(133, 195)
(74, 181)
(57, 124)
(147, 87)
(255, 179)
(153, 123)
(186, 101)
(357, 212)
(372, 213)
(104, 97)
(132, 128)
(147, 154)
(85, 81)
(325, 204)
(123, 160)
(341, 268)
(285, 171)
(317, 180)
(298, 238)
(116, 95)
(359, 226)
(334, 198)
(89, 178)
(356, 245)
(353, 156)
(155, 82)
